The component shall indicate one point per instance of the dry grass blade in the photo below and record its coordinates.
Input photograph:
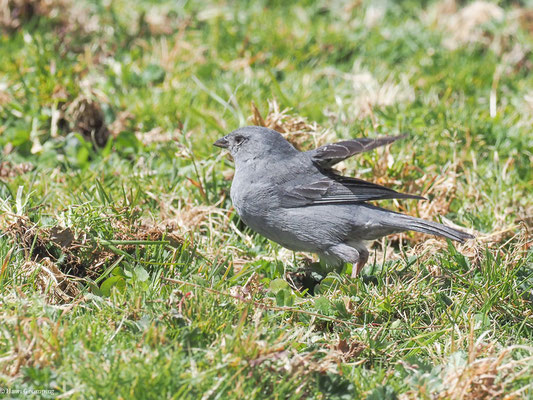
(49, 280)
(484, 374)
(347, 350)
(48, 245)
(366, 93)
(62, 253)
(296, 129)
(463, 25)
(32, 347)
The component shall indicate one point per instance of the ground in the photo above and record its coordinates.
(124, 270)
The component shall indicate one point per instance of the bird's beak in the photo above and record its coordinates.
(222, 142)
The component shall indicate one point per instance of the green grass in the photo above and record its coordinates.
(124, 270)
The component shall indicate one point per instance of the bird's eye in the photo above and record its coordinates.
(239, 139)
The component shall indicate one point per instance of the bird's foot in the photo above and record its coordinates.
(363, 258)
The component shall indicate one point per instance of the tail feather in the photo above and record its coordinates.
(433, 228)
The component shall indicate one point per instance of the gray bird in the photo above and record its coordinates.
(297, 200)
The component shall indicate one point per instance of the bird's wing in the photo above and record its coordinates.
(336, 189)
(330, 154)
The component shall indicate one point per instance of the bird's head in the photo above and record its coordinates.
(255, 142)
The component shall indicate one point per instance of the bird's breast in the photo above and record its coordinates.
(253, 202)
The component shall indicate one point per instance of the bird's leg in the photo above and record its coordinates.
(354, 253)
(363, 258)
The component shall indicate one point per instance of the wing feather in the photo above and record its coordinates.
(336, 189)
(330, 154)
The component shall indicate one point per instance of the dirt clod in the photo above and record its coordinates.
(85, 116)
(10, 170)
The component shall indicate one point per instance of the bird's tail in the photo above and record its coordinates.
(407, 222)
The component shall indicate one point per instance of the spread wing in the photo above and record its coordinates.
(336, 189)
(330, 154)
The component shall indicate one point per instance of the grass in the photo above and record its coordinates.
(124, 270)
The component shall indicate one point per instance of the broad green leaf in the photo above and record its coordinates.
(112, 281)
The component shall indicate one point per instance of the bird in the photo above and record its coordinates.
(296, 199)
